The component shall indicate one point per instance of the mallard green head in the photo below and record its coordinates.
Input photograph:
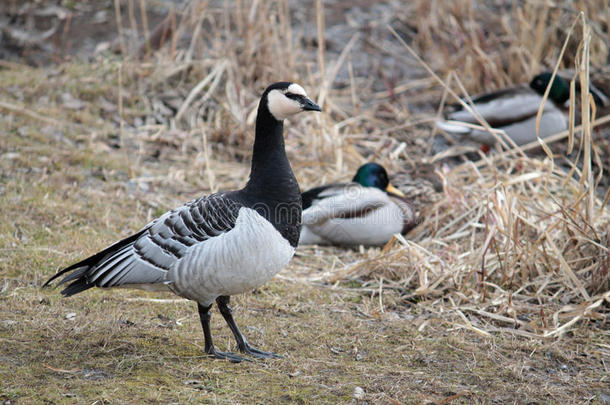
(560, 89)
(375, 175)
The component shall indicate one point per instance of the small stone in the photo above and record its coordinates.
(100, 17)
(126, 322)
(71, 103)
(196, 384)
(71, 316)
(335, 350)
(604, 398)
(255, 329)
(10, 155)
(94, 375)
(106, 105)
(358, 393)
(393, 316)
(101, 47)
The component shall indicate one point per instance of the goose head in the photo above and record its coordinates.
(375, 175)
(285, 99)
(560, 89)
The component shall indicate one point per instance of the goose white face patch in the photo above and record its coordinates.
(280, 106)
(296, 89)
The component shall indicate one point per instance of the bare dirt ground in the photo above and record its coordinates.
(94, 144)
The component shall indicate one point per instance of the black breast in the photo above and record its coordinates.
(285, 216)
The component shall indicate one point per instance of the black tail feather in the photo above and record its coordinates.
(74, 275)
(83, 267)
(76, 287)
(307, 197)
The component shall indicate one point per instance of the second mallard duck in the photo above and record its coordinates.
(514, 110)
(367, 211)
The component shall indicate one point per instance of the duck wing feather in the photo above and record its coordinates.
(343, 201)
(504, 107)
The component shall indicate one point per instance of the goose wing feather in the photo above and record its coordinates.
(145, 257)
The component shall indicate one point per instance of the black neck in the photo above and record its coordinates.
(272, 189)
(271, 176)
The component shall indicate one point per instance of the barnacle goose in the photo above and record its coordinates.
(367, 211)
(218, 245)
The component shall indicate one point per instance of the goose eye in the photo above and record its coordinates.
(292, 96)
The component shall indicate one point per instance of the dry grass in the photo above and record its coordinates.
(500, 295)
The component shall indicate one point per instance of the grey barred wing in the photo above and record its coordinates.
(172, 234)
(146, 257)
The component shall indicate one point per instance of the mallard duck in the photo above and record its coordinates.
(367, 211)
(514, 110)
(599, 85)
(218, 245)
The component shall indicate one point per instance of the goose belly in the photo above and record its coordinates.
(234, 262)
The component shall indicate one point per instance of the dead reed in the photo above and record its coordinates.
(514, 243)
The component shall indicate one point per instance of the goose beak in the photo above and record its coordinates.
(391, 189)
(309, 105)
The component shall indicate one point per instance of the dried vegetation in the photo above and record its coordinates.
(512, 245)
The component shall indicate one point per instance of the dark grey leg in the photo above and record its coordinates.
(242, 343)
(204, 316)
